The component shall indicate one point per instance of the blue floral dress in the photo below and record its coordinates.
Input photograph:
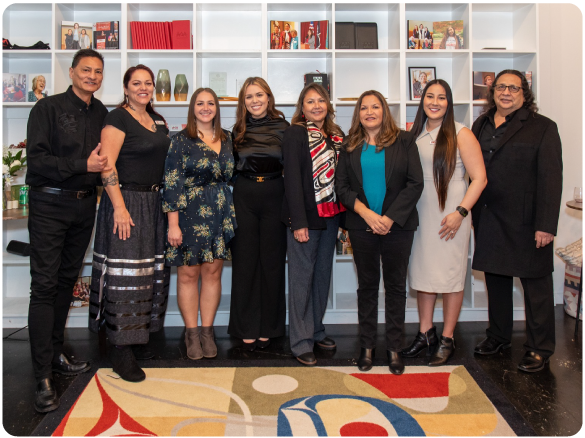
(196, 179)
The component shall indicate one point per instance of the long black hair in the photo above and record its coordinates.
(445, 154)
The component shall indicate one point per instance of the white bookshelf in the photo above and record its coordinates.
(234, 38)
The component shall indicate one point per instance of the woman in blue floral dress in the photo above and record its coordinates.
(201, 217)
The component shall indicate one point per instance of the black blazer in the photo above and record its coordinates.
(522, 196)
(404, 184)
(299, 208)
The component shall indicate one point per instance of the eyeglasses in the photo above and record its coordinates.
(513, 88)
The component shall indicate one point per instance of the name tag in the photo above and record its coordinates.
(433, 142)
(159, 122)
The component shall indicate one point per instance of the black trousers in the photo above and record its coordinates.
(60, 230)
(539, 305)
(394, 251)
(258, 305)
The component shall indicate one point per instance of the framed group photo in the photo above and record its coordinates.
(419, 77)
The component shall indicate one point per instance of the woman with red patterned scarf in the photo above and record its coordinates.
(311, 210)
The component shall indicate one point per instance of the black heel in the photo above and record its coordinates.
(444, 352)
(422, 341)
(364, 363)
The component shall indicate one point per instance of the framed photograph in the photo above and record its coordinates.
(482, 81)
(80, 296)
(76, 35)
(14, 87)
(38, 86)
(419, 77)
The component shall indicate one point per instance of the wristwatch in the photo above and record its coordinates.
(462, 211)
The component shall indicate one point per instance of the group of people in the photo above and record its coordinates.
(421, 38)
(402, 196)
(286, 39)
(76, 38)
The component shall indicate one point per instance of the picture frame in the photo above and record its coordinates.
(414, 74)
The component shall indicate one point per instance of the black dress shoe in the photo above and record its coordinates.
(308, 359)
(124, 363)
(395, 363)
(262, 344)
(142, 352)
(443, 353)
(69, 367)
(326, 343)
(364, 363)
(423, 341)
(490, 346)
(46, 399)
(532, 362)
(249, 346)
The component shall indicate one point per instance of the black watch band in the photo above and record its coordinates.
(462, 211)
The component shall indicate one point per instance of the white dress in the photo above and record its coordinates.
(435, 265)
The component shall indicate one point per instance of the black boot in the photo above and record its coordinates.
(364, 363)
(124, 363)
(422, 341)
(395, 363)
(443, 353)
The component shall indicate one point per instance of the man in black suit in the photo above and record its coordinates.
(516, 217)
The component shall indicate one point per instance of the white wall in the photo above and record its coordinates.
(561, 99)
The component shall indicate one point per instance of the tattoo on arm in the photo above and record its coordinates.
(111, 180)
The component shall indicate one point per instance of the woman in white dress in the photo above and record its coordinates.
(438, 262)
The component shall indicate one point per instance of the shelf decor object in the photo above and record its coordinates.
(163, 86)
(181, 88)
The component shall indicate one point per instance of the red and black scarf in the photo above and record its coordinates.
(324, 160)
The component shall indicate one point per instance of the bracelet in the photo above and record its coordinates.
(462, 211)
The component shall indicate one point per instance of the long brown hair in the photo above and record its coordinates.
(242, 112)
(445, 154)
(298, 118)
(126, 81)
(192, 128)
(388, 131)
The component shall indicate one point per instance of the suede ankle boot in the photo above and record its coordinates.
(208, 342)
(193, 342)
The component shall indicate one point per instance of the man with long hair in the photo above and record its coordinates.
(515, 219)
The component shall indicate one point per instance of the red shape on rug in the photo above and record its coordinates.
(419, 385)
(110, 414)
(61, 428)
(360, 428)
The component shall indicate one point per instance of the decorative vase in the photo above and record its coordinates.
(181, 88)
(163, 86)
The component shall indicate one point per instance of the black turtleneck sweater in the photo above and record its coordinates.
(260, 152)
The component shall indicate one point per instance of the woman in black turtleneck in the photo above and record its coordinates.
(258, 306)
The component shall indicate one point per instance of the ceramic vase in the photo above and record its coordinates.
(163, 86)
(181, 88)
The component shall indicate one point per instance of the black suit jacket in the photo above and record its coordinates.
(522, 196)
(404, 184)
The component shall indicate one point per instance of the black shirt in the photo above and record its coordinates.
(62, 131)
(260, 152)
(490, 136)
(142, 158)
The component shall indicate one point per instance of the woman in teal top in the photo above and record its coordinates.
(379, 180)
(374, 176)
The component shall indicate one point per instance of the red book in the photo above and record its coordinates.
(149, 33)
(140, 34)
(159, 43)
(168, 35)
(132, 37)
(161, 34)
(137, 25)
(181, 34)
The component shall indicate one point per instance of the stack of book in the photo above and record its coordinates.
(155, 35)
(350, 35)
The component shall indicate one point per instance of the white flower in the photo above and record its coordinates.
(16, 163)
(5, 169)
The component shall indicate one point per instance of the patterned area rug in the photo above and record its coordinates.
(289, 401)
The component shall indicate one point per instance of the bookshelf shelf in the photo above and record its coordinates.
(234, 38)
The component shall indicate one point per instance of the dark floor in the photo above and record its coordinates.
(550, 401)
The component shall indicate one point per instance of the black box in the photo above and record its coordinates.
(319, 78)
(344, 35)
(366, 36)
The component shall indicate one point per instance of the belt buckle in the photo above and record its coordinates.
(260, 179)
(155, 188)
(81, 194)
